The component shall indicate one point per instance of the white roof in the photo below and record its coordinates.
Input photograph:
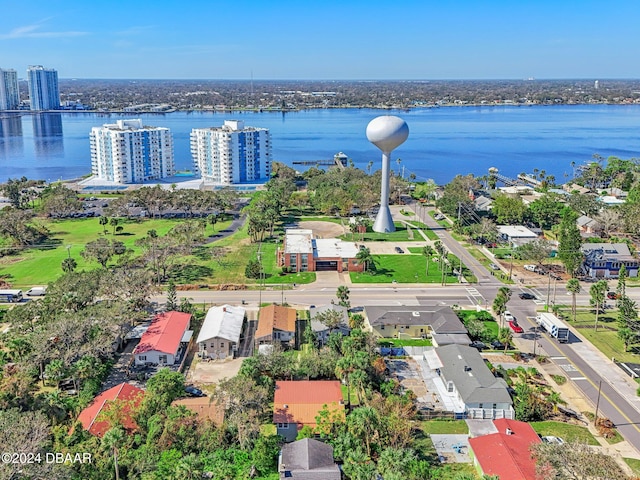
(298, 240)
(516, 231)
(222, 322)
(332, 247)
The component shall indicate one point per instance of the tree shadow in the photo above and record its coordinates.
(189, 273)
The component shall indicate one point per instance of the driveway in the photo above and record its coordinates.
(214, 371)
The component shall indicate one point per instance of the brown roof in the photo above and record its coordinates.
(301, 401)
(275, 317)
(203, 407)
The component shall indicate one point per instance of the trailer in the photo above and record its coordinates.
(553, 326)
(10, 296)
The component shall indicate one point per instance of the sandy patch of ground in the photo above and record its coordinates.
(202, 373)
(323, 229)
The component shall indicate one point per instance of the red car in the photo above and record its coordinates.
(515, 327)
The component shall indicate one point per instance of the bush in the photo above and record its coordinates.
(559, 379)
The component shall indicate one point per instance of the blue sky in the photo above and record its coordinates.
(324, 40)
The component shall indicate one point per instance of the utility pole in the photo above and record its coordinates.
(595, 421)
(548, 289)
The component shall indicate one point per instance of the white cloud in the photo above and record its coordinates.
(32, 31)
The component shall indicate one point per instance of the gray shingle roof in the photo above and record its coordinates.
(464, 366)
(441, 319)
(308, 459)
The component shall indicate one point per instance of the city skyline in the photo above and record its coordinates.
(352, 40)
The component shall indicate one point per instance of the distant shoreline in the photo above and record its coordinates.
(342, 107)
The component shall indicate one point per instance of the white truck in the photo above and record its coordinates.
(553, 326)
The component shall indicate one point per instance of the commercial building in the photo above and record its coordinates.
(44, 93)
(9, 92)
(232, 153)
(303, 253)
(603, 260)
(129, 152)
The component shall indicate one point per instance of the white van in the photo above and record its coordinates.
(531, 268)
(37, 292)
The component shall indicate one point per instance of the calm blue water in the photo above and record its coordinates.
(442, 141)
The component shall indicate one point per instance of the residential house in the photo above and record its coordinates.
(588, 226)
(301, 252)
(516, 235)
(321, 330)
(92, 417)
(203, 407)
(506, 453)
(308, 459)
(298, 403)
(467, 378)
(482, 204)
(417, 321)
(220, 333)
(603, 260)
(575, 188)
(165, 340)
(276, 324)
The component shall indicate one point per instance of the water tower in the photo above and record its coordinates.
(386, 132)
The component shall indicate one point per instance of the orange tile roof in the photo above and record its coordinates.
(164, 333)
(203, 407)
(301, 401)
(124, 393)
(275, 317)
(507, 456)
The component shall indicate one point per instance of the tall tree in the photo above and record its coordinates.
(569, 243)
(598, 295)
(343, 295)
(428, 252)
(573, 287)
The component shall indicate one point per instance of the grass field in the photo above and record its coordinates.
(400, 235)
(402, 269)
(568, 432)
(68, 237)
(606, 338)
(634, 464)
(412, 342)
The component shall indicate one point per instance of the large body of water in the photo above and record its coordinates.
(442, 141)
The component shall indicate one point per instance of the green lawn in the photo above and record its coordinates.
(568, 432)
(634, 464)
(402, 269)
(458, 427)
(606, 338)
(42, 265)
(400, 235)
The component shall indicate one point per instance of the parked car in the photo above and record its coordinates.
(497, 345)
(610, 295)
(513, 325)
(553, 440)
(194, 392)
(479, 345)
(399, 250)
(527, 296)
(508, 316)
(493, 266)
(531, 268)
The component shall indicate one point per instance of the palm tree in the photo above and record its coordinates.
(505, 335)
(573, 287)
(104, 221)
(428, 252)
(112, 440)
(369, 165)
(343, 295)
(69, 265)
(364, 257)
(398, 161)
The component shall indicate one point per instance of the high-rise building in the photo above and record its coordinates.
(128, 152)
(232, 153)
(9, 92)
(43, 88)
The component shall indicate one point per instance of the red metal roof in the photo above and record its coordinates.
(164, 333)
(132, 396)
(301, 401)
(507, 455)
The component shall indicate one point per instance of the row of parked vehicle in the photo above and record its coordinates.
(542, 271)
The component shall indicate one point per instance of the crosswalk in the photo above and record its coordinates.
(475, 297)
